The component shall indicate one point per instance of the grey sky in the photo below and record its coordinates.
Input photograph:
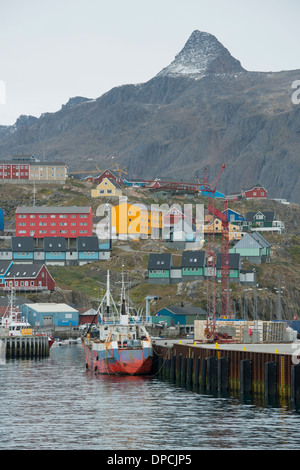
(52, 50)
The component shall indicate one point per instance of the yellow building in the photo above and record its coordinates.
(235, 232)
(137, 220)
(107, 188)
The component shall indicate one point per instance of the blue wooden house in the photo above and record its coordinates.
(234, 216)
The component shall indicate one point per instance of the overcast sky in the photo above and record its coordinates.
(52, 50)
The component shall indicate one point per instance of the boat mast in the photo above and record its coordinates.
(107, 294)
(123, 298)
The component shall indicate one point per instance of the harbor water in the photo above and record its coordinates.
(55, 404)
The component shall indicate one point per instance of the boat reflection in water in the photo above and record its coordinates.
(119, 344)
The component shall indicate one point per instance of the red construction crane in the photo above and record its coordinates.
(211, 262)
(225, 266)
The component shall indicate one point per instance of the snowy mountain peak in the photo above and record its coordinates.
(202, 54)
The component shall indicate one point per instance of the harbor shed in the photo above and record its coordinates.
(50, 315)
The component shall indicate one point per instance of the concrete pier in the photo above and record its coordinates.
(270, 370)
(25, 346)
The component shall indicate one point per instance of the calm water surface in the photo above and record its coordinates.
(55, 404)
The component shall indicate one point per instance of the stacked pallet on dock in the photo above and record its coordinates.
(274, 332)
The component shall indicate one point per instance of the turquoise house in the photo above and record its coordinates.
(183, 316)
(22, 249)
(54, 249)
(87, 248)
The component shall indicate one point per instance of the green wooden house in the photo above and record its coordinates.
(159, 268)
(235, 267)
(193, 265)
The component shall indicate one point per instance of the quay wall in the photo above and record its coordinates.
(236, 372)
(25, 346)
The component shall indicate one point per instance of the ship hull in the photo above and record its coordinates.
(107, 358)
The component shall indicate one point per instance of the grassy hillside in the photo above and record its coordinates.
(90, 279)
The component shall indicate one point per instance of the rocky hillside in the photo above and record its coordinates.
(202, 110)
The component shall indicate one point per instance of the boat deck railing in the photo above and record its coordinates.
(131, 321)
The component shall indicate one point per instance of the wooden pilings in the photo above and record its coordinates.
(25, 346)
(243, 373)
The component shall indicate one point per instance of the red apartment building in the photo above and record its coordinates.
(67, 222)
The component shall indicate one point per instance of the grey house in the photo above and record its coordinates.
(254, 248)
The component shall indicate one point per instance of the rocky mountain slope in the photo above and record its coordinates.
(202, 110)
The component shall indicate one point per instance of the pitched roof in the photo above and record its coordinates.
(160, 261)
(22, 244)
(4, 265)
(113, 182)
(252, 240)
(54, 244)
(52, 308)
(87, 243)
(269, 215)
(260, 239)
(52, 210)
(24, 271)
(234, 261)
(186, 310)
(193, 258)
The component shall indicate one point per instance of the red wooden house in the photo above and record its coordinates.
(109, 175)
(257, 191)
(27, 277)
